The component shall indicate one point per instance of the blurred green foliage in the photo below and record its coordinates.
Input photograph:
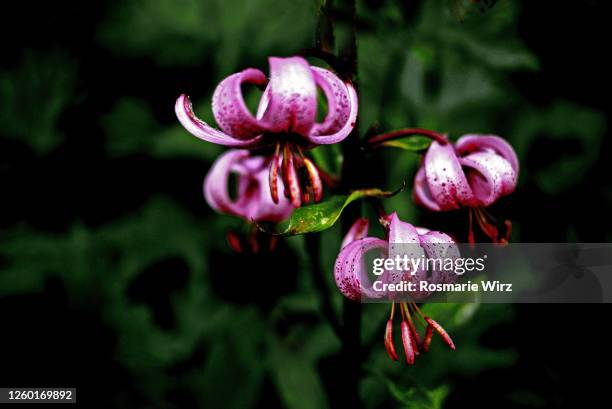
(188, 32)
(34, 95)
(439, 72)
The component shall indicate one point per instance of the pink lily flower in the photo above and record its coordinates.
(253, 201)
(473, 173)
(285, 120)
(351, 273)
(351, 277)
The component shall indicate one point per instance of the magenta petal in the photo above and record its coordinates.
(404, 241)
(401, 232)
(216, 183)
(358, 230)
(202, 130)
(348, 125)
(490, 176)
(445, 178)
(472, 143)
(338, 101)
(422, 230)
(263, 103)
(231, 113)
(292, 96)
(253, 201)
(441, 246)
(350, 272)
(421, 193)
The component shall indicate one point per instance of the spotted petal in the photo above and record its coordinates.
(202, 130)
(445, 178)
(440, 246)
(471, 143)
(253, 199)
(358, 230)
(231, 113)
(261, 207)
(350, 270)
(489, 175)
(292, 95)
(342, 108)
(404, 241)
(421, 193)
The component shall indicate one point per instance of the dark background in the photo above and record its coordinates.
(114, 274)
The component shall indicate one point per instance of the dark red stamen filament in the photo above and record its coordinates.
(301, 178)
(489, 226)
(411, 341)
(273, 176)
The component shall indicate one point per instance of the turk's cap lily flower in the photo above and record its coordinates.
(403, 239)
(288, 107)
(474, 172)
(351, 271)
(252, 201)
(285, 120)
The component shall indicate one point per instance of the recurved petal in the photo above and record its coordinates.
(350, 272)
(358, 230)
(401, 232)
(472, 143)
(291, 96)
(202, 130)
(216, 183)
(231, 113)
(261, 207)
(347, 126)
(490, 176)
(253, 199)
(338, 101)
(404, 241)
(421, 193)
(440, 246)
(445, 178)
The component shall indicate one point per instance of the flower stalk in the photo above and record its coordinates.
(378, 140)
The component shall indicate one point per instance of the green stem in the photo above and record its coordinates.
(353, 175)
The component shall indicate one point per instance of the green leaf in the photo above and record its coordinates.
(322, 216)
(411, 143)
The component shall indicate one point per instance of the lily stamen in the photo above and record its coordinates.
(389, 347)
(273, 174)
(489, 226)
(300, 177)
